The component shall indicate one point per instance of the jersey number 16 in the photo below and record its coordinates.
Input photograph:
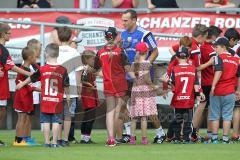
(51, 87)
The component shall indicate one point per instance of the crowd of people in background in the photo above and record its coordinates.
(204, 71)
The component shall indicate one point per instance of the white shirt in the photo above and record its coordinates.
(71, 60)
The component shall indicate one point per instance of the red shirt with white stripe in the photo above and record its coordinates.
(207, 51)
(184, 77)
(112, 60)
(230, 67)
(6, 64)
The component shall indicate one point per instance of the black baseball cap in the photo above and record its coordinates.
(63, 20)
(182, 52)
(111, 33)
(221, 41)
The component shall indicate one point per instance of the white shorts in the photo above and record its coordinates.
(3, 102)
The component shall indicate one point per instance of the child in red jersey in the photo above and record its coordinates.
(223, 92)
(114, 64)
(6, 64)
(23, 100)
(54, 82)
(186, 86)
(89, 97)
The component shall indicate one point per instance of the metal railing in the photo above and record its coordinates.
(45, 24)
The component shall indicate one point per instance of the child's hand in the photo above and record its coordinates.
(202, 97)
(212, 91)
(151, 6)
(19, 85)
(237, 93)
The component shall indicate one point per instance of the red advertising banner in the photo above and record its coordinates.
(180, 23)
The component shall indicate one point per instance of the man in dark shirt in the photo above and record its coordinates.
(152, 4)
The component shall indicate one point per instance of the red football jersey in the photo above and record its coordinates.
(174, 62)
(207, 51)
(6, 64)
(23, 98)
(88, 95)
(184, 77)
(229, 65)
(112, 61)
(53, 80)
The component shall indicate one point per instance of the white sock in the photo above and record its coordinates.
(160, 132)
(128, 128)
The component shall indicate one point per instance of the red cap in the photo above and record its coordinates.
(142, 47)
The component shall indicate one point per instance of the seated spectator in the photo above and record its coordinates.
(125, 3)
(152, 4)
(219, 4)
(34, 4)
(98, 3)
(95, 3)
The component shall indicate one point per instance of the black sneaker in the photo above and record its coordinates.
(87, 142)
(226, 142)
(65, 143)
(159, 140)
(120, 141)
(187, 142)
(47, 145)
(55, 146)
(176, 141)
(126, 138)
(2, 143)
(60, 142)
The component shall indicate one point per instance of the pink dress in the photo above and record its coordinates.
(143, 97)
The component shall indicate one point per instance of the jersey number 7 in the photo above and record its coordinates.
(185, 81)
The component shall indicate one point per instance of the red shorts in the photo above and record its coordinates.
(117, 94)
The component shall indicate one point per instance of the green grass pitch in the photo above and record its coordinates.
(99, 151)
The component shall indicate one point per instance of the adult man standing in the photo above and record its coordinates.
(130, 37)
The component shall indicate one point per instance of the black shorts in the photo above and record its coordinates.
(206, 92)
(237, 104)
(130, 85)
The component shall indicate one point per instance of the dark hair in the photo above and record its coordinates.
(86, 55)
(213, 31)
(132, 12)
(26, 52)
(4, 28)
(52, 50)
(64, 34)
(199, 29)
(232, 33)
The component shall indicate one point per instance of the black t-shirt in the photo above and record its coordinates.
(40, 3)
(165, 3)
